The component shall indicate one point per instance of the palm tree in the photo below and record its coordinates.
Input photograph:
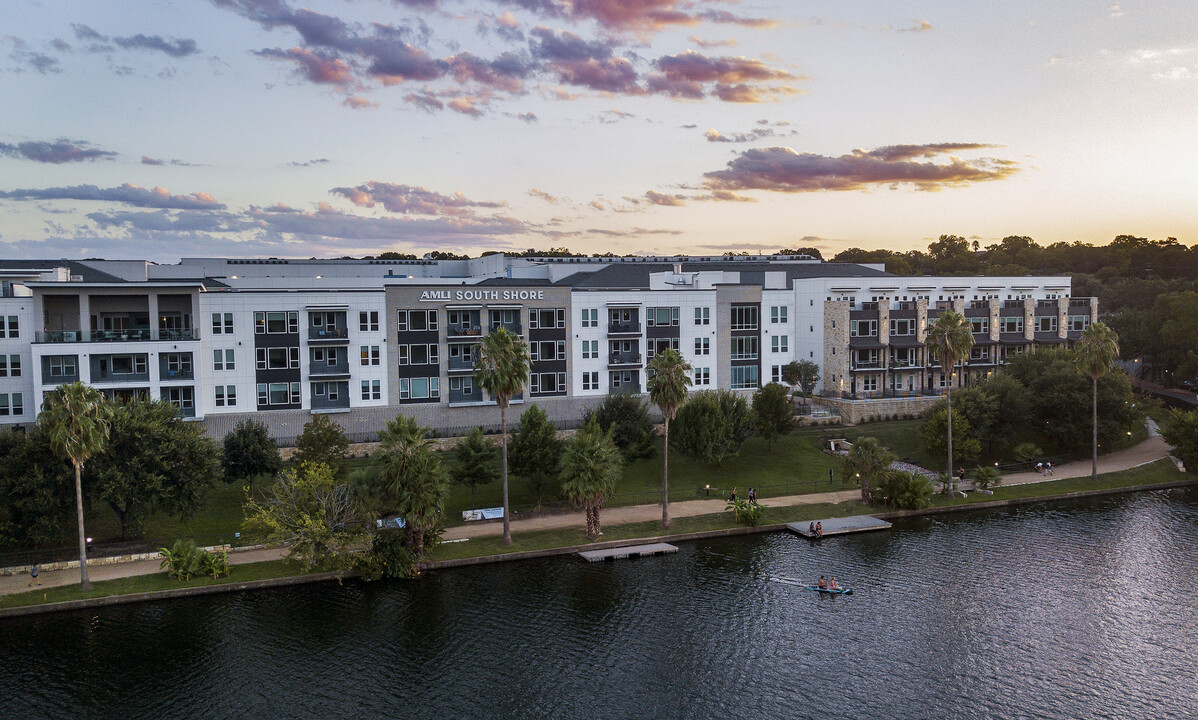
(501, 368)
(76, 418)
(952, 338)
(412, 476)
(591, 465)
(869, 463)
(668, 383)
(1096, 353)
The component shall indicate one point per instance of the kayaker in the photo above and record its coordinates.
(823, 584)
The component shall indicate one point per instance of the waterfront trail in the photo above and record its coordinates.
(1154, 448)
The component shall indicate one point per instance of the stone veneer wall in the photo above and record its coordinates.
(836, 345)
(853, 412)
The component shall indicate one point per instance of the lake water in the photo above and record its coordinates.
(1070, 610)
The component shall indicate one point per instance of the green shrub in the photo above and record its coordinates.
(745, 512)
(985, 478)
(388, 557)
(1027, 452)
(906, 491)
(183, 561)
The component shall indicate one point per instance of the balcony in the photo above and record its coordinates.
(332, 396)
(904, 364)
(624, 359)
(166, 374)
(624, 328)
(139, 335)
(460, 363)
(1012, 304)
(512, 327)
(463, 330)
(329, 335)
(1079, 303)
(875, 365)
(324, 368)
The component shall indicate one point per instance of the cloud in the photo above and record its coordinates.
(528, 117)
(58, 152)
(1177, 73)
(757, 133)
(86, 34)
(425, 100)
(357, 102)
(657, 198)
(782, 169)
(175, 47)
(723, 196)
(539, 193)
(918, 26)
(317, 67)
(608, 117)
(309, 163)
(127, 194)
(731, 79)
(709, 44)
(634, 232)
(146, 160)
(44, 64)
(724, 17)
(410, 199)
(331, 223)
(1117, 12)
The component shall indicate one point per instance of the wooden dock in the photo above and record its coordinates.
(628, 551)
(841, 526)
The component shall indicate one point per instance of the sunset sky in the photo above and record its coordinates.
(158, 130)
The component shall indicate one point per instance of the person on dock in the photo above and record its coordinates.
(819, 529)
(811, 527)
(823, 584)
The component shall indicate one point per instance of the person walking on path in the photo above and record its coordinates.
(1048, 468)
(1040, 467)
(33, 572)
(752, 496)
(733, 493)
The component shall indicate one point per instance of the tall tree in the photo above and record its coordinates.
(477, 461)
(77, 419)
(501, 369)
(772, 413)
(591, 466)
(536, 452)
(409, 478)
(627, 416)
(801, 373)
(1096, 353)
(322, 442)
(951, 337)
(867, 463)
(250, 451)
(668, 386)
(312, 512)
(1180, 429)
(153, 461)
(714, 425)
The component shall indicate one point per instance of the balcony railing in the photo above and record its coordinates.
(463, 330)
(140, 335)
(865, 365)
(459, 364)
(327, 333)
(180, 374)
(322, 367)
(1012, 304)
(624, 328)
(512, 327)
(624, 359)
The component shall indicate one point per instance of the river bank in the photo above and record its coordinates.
(273, 572)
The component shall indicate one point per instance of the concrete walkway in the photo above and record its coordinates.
(1154, 448)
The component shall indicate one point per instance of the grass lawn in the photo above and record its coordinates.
(901, 436)
(147, 583)
(214, 524)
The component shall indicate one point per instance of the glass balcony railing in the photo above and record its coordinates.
(328, 333)
(139, 335)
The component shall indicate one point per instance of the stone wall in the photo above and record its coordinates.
(853, 412)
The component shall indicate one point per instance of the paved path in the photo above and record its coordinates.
(1154, 448)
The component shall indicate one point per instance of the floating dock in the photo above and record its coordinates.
(628, 551)
(841, 526)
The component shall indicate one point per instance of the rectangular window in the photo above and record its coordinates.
(778, 314)
(226, 395)
(10, 328)
(276, 322)
(590, 317)
(417, 320)
(368, 321)
(702, 346)
(744, 317)
(181, 397)
(869, 383)
(223, 360)
(547, 318)
(702, 316)
(542, 383)
(370, 354)
(980, 325)
(279, 394)
(780, 343)
(863, 328)
(590, 381)
(1046, 323)
(590, 349)
(902, 327)
(276, 358)
(419, 388)
(744, 348)
(262, 395)
(1077, 323)
(178, 362)
(776, 373)
(371, 390)
(744, 376)
(702, 376)
(222, 323)
(10, 366)
(1010, 325)
(662, 316)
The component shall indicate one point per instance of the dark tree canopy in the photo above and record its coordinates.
(627, 416)
(322, 442)
(477, 461)
(713, 426)
(773, 414)
(37, 492)
(536, 453)
(250, 451)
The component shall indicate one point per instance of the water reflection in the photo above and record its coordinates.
(1062, 611)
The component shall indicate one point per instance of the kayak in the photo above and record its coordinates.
(838, 591)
